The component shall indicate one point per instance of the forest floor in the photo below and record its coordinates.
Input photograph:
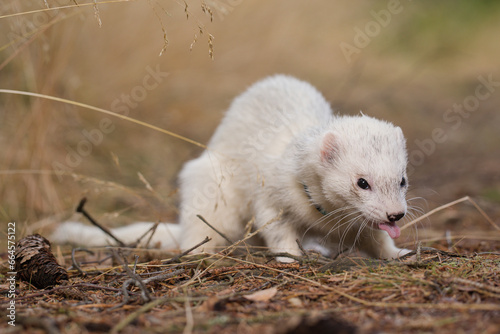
(443, 286)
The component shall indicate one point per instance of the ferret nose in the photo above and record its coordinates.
(395, 216)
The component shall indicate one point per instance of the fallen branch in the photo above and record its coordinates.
(134, 278)
(73, 260)
(177, 258)
(81, 210)
(216, 230)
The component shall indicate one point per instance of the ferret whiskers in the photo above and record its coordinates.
(325, 219)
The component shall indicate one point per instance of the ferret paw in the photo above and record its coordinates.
(400, 252)
(394, 253)
(284, 259)
(403, 252)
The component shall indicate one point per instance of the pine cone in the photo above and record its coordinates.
(36, 264)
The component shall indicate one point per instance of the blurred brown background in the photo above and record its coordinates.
(408, 62)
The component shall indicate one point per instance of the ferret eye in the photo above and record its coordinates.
(403, 182)
(363, 184)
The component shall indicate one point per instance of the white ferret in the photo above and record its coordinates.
(281, 157)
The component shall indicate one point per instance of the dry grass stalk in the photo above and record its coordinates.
(447, 205)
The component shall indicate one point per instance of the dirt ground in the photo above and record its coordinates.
(430, 67)
(431, 291)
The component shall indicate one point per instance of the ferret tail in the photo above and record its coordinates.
(166, 236)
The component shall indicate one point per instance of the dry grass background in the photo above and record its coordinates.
(426, 59)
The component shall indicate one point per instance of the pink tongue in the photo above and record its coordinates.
(390, 228)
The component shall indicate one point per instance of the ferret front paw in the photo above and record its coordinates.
(399, 253)
(284, 259)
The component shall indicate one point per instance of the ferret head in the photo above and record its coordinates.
(363, 166)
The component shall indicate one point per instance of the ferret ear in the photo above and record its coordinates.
(400, 134)
(329, 147)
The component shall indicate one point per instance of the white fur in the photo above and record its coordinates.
(165, 236)
(276, 137)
